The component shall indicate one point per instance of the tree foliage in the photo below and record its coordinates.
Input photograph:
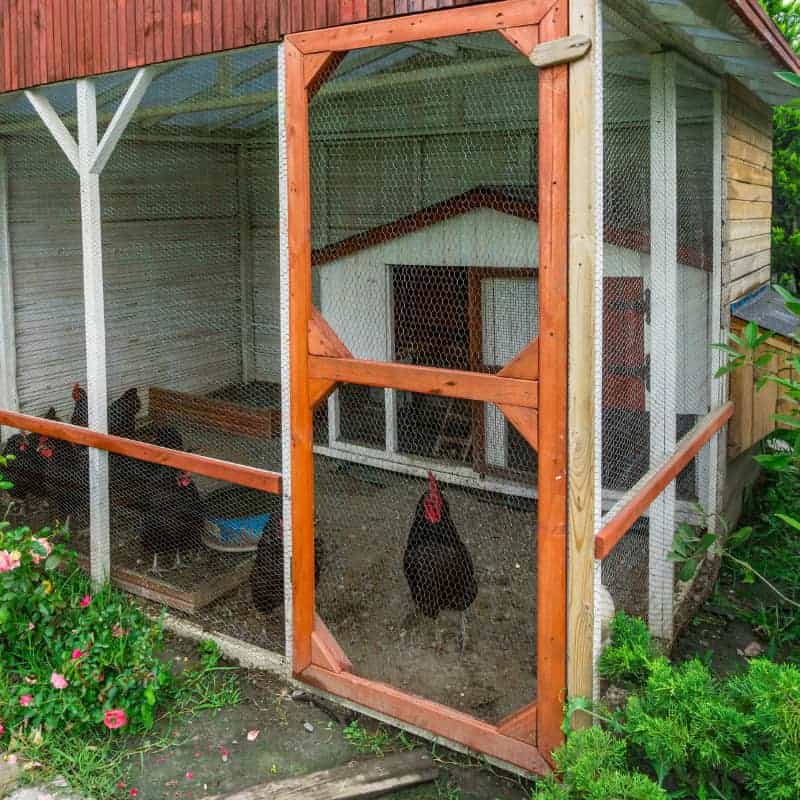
(786, 161)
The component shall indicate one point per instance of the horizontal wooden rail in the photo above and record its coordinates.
(427, 380)
(239, 474)
(439, 720)
(652, 484)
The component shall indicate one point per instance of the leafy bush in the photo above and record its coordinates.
(682, 731)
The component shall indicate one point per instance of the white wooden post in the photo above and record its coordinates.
(9, 397)
(89, 158)
(286, 430)
(246, 266)
(664, 351)
(94, 315)
(719, 386)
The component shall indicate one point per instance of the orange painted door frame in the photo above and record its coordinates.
(309, 58)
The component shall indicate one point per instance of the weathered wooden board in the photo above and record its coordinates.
(749, 192)
(255, 423)
(358, 779)
(753, 246)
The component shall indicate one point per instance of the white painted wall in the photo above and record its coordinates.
(170, 262)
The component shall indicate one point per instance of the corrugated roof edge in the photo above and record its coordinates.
(754, 16)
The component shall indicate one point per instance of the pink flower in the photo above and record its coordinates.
(85, 601)
(8, 561)
(58, 681)
(133, 792)
(76, 654)
(31, 626)
(26, 700)
(2, 729)
(115, 718)
(117, 631)
(189, 775)
(48, 548)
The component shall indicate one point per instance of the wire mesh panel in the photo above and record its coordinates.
(190, 246)
(43, 272)
(425, 232)
(657, 290)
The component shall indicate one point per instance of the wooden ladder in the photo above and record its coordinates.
(452, 415)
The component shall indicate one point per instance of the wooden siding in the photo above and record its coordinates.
(753, 419)
(747, 154)
(42, 41)
(163, 225)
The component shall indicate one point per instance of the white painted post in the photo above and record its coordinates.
(246, 288)
(719, 386)
(664, 351)
(286, 433)
(94, 310)
(391, 444)
(9, 397)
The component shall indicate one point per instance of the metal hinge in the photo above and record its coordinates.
(641, 306)
(642, 372)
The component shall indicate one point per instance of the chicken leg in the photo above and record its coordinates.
(462, 633)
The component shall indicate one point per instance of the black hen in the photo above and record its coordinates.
(80, 412)
(266, 579)
(173, 515)
(122, 414)
(436, 563)
(65, 474)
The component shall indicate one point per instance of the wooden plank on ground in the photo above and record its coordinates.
(358, 779)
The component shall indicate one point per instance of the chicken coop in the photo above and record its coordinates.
(376, 342)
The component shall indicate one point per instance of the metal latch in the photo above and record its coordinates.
(642, 372)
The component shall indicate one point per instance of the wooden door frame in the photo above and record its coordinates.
(474, 277)
(318, 360)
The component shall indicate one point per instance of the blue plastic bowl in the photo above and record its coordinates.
(240, 530)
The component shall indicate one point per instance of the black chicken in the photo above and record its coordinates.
(122, 414)
(65, 474)
(172, 518)
(436, 563)
(80, 412)
(266, 579)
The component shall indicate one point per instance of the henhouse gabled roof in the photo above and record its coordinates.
(518, 201)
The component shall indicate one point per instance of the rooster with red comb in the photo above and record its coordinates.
(436, 563)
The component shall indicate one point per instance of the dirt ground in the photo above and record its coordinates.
(363, 519)
(214, 756)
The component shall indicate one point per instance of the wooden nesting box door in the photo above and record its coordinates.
(626, 367)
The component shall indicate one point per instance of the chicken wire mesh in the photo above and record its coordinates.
(424, 225)
(42, 231)
(191, 279)
(656, 345)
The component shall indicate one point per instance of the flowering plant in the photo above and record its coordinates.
(70, 658)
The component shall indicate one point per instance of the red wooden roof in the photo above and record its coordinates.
(517, 201)
(42, 41)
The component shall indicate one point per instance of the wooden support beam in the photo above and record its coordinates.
(585, 234)
(427, 380)
(551, 532)
(428, 25)
(525, 364)
(57, 128)
(215, 468)
(298, 181)
(326, 651)
(481, 737)
(521, 724)
(524, 38)
(525, 420)
(318, 67)
(9, 397)
(122, 116)
(642, 495)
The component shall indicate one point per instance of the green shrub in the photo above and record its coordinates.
(683, 732)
